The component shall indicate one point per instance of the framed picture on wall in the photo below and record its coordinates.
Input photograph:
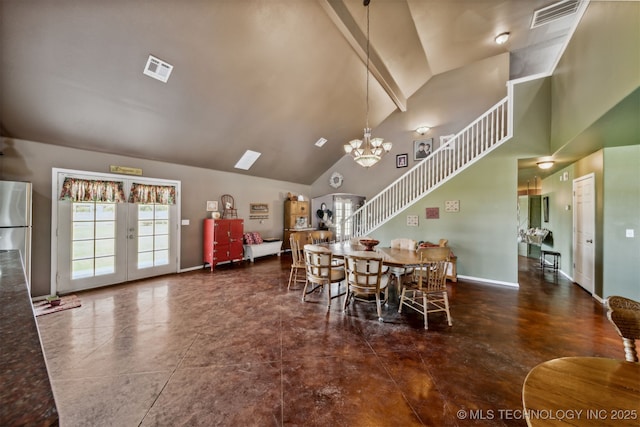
(444, 139)
(422, 148)
(212, 205)
(258, 210)
(402, 160)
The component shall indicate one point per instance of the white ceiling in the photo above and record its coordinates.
(266, 75)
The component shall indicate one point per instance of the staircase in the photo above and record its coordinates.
(482, 136)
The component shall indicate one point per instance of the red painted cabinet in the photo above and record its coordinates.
(222, 240)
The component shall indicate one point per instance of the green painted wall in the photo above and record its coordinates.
(617, 181)
(600, 67)
(561, 223)
(483, 233)
(621, 263)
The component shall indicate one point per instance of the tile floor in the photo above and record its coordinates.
(235, 348)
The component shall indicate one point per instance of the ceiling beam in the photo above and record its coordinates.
(337, 11)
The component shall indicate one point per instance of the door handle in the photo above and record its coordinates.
(590, 241)
(131, 236)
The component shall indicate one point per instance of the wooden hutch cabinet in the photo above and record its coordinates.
(297, 217)
(222, 241)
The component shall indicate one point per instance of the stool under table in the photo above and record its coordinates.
(555, 259)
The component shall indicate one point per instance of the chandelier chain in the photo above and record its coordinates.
(367, 96)
(367, 151)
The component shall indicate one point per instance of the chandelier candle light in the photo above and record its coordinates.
(367, 151)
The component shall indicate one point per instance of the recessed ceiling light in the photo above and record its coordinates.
(320, 142)
(502, 38)
(247, 160)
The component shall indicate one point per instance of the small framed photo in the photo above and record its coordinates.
(212, 205)
(422, 148)
(444, 139)
(402, 160)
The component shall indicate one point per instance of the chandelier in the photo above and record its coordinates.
(367, 151)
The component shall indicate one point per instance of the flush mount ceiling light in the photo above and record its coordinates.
(247, 160)
(546, 164)
(423, 129)
(367, 151)
(502, 38)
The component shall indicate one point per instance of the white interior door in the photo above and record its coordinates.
(584, 232)
(103, 243)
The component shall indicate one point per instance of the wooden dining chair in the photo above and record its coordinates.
(365, 280)
(624, 314)
(298, 269)
(427, 291)
(321, 236)
(398, 273)
(321, 272)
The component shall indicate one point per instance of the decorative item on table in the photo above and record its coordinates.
(302, 222)
(212, 208)
(369, 244)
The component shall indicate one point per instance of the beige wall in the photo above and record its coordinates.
(33, 161)
(447, 102)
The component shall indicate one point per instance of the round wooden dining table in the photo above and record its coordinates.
(582, 391)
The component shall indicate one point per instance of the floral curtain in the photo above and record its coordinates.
(160, 194)
(86, 190)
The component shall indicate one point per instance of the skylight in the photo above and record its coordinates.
(247, 160)
(320, 142)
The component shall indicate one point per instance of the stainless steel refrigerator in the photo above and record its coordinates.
(15, 221)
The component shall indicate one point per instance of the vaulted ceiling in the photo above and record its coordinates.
(271, 76)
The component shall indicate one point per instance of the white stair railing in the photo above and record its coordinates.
(465, 148)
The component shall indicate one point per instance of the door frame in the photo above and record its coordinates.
(55, 193)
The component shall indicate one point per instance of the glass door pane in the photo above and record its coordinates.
(152, 240)
(153, 235)
(89, 252)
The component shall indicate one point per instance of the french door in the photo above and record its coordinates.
(343, 208)
(101, 242)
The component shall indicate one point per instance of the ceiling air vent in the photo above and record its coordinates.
(554, 11)
(158, 69)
